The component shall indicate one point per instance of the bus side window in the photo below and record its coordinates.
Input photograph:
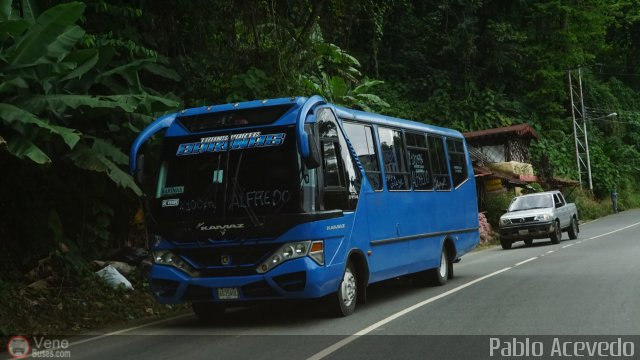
(439, 162)
(419, 163)
(341, 177)
(332, 171)
(457, 160)
(395, 167)
(361, 137)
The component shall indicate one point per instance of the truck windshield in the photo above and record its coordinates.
(531, 202)
(235, 177)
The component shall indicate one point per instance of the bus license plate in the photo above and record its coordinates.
(227, 293)
(523, 232)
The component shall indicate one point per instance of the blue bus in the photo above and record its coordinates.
(297, 198)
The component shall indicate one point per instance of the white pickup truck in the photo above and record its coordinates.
(538, 216)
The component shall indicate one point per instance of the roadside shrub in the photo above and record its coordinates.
(496, 204)
(589, 207)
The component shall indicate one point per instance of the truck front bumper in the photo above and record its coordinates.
(537, 230)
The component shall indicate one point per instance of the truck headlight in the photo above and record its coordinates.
(165, 257)
(294, 250)
(543, 217)
(505, 221)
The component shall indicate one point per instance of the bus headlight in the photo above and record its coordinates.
(505, 221)
(294, 250)
(165, 257)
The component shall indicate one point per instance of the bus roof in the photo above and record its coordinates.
(176, 123)
(350, 114)
(297, 102)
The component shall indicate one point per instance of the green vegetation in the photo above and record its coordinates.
(81, 79)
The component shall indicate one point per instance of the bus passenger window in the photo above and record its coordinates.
(439, 161)
(457, 161)
(396, 174)
(361, 137)
(419, 163)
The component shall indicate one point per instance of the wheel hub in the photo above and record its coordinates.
(348, 288)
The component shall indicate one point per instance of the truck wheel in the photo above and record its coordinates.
(208, 312)
(528, 242)
(557, 233)
(573, 229)
(506, 244)
(343, 302)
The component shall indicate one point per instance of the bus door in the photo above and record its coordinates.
(388, 253)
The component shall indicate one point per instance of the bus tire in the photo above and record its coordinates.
(528, 242)
(440, 275)
(437, 276)
(208, 312)
(573, 229)
(343, 302)
(506, 244)
(556, 236)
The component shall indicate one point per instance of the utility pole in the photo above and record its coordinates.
(579, 116)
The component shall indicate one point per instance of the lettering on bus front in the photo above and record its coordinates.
(260, 198)
(197, 205)
(214, 144)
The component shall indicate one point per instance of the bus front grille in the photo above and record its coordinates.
(228, 256)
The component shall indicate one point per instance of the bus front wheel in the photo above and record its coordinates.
(343, 302)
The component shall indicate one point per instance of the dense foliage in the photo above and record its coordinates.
(80, 79)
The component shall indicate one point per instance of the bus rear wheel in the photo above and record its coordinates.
(439, 275)
(343, 302)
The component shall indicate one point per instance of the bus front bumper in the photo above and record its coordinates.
(295, 279)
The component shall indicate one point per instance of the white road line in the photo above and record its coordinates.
(117, 332)
(129, 329)
(342, 343)
(526, 261)
(614, 231)
(333, 348)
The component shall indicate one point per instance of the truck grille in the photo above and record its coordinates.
(522, 220)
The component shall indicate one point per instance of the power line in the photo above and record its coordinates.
(620, 112)
(615, 121)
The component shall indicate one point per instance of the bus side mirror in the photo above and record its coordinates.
(139, 175)
(313, 160)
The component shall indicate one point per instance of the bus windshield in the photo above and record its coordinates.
(236, 178)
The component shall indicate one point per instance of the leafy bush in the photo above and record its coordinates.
(68, 108)
(496, 204)
(589, 207)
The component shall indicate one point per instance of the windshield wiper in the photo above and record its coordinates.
(239, 193)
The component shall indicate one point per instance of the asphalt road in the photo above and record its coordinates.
(588, 286)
